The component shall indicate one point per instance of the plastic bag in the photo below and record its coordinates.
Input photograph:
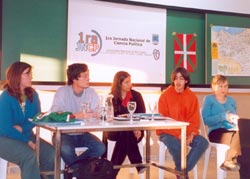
(54, 117)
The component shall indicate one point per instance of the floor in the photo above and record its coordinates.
(125, 172)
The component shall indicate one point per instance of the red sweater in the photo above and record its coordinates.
(181, 107)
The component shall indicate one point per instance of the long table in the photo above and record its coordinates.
(97, 125)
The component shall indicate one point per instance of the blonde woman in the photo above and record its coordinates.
(219, 113)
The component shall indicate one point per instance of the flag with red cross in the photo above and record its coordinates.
(185, 51)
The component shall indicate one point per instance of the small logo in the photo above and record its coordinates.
(155, 39)
(156, 54)
(92, 43)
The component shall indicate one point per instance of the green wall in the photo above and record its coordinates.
(37, 28)
(186, 23)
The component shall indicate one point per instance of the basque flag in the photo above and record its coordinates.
(185, 51)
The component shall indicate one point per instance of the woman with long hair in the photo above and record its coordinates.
(19, 102)
(126, 141)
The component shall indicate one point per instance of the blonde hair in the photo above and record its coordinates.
(217, 80)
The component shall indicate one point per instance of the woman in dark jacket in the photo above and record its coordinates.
(126, 141)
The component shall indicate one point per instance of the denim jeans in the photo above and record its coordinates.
(69, 142)
(198, 147)
(20, 153)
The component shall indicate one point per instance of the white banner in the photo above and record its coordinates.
(110, 37)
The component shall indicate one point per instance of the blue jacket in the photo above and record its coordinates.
(11, 114)
(215, 114)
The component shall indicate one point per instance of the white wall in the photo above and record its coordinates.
(235, 6)
(46, 95)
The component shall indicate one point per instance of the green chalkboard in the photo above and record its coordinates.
(228, 21)
(37, 30)
(186, 23)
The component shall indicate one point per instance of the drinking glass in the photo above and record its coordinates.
(131, 106)
(101, 109)
(85, 107)
(102, 113)
(153, 108)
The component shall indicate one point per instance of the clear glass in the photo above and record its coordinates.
(101, 109)
(109, 113)
(109, 108)
(131, 106)
(102, 113)
(153, 108)
(85, 107)
(105, 108)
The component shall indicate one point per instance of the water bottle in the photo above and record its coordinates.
(109, 108)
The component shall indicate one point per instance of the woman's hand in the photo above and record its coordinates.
(137, 134)
(19, 128)
(32, 145)
(232, 118)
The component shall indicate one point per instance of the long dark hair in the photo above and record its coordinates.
(13, 80)
(117, 84)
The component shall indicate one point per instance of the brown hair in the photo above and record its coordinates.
(74, 70)
(183, 72)
(13, 80)
(117, 84)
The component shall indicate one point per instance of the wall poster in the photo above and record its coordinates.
(230, 51)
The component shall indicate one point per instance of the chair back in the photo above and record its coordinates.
(3, 168)
(203, 127)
